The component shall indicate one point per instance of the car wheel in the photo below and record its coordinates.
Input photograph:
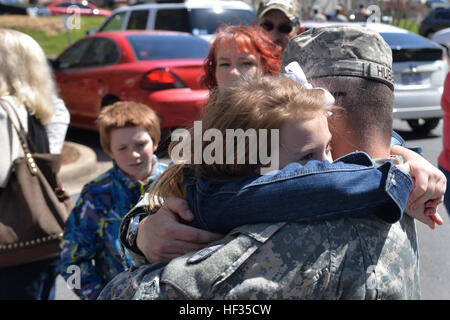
(108, 100)
(423, 125)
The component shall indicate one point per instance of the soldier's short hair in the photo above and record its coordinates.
(368, 106)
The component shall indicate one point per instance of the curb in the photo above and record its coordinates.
(84, 165)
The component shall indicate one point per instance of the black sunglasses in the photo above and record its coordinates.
(282, 28)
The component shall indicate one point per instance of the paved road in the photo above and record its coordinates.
(433, 244)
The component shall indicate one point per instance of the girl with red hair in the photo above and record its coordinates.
(239, 50)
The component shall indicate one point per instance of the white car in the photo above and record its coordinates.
(420, 67)
(443, 38)
(199, 17)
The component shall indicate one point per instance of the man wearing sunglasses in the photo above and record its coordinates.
(280, 19)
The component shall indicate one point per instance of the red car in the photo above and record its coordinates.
(58, 8)
(161, 69)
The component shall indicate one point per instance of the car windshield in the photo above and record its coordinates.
(407, 41)
(161, 47)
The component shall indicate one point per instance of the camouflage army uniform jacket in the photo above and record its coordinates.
(348, 258)
(91, 233)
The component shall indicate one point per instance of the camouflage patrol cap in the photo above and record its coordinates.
(288, 7)
(341, 51)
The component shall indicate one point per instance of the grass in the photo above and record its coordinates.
(50, 33)
(55, 44)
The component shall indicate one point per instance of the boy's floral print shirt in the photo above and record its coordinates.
(91, 239)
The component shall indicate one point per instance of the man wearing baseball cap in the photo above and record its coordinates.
(280, 18)
(347, 258)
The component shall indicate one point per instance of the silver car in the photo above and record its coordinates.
(420, 67)
(199, 17)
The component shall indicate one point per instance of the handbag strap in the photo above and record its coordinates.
(23, 137)
(23, 132)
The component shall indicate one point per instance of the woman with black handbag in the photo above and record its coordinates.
(30, 114)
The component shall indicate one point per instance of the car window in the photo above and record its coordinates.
(201, 21)
(138, 20)
(69, 4)
(103, 51)
(114, 22)
(444, 14)
(158, 47)
(406, 40)
(206, 21)
(71, 58)
(172, 19)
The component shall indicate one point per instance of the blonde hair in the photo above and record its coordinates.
(26, 75)
(124, 114)
(251, 103)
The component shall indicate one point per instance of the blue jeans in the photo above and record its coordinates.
(447, 191)
(351, 186)
(31, 281)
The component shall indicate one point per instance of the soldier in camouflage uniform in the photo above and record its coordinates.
(348, 258)
(336, 259)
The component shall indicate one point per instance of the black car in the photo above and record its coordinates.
(13, 7)
(436, 20)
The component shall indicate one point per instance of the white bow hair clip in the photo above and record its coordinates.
(295, 72)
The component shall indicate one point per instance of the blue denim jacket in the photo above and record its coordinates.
(351, 186)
